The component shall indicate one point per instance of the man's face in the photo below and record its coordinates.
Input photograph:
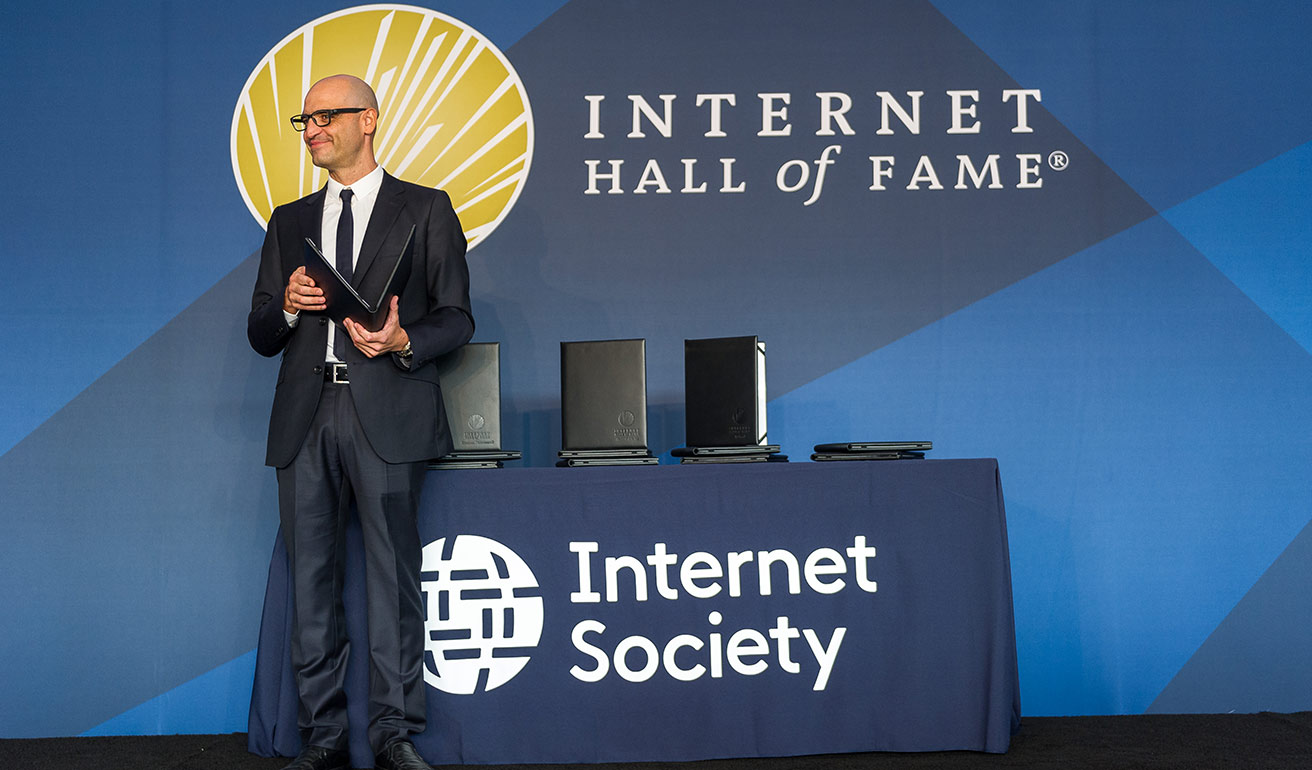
(340, 144)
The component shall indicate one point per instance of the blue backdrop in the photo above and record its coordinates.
(1114, 303)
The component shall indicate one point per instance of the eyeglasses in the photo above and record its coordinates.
(321, 118)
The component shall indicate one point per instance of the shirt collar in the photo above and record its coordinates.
(366, 186)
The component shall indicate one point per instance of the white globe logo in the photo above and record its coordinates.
(484, 614)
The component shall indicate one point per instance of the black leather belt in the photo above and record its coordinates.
(335, 373)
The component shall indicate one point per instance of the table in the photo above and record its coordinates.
(677, 613)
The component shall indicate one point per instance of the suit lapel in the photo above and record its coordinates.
(386, 209)
(311, 219)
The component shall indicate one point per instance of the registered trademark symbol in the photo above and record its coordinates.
(1058, 160)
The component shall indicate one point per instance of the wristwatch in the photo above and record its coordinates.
(407, 352)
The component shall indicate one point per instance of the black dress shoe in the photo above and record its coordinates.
(319, 758)
(400, 756)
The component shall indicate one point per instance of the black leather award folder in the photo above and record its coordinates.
(731, 459)
(603, 388)
(876, 446)
(724, 392)
(471, 391)
(823, 457)
(724, 451)
(589, 462)
(449, 463)
(601, 453)
(343, 301)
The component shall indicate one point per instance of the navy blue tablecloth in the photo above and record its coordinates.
(680, 613)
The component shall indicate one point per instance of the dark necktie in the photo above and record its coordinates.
(345, 237)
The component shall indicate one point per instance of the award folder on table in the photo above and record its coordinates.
(594, 453)
(343, 301)
(449, 463)
(471, 392)
(872, 450)
(724, 392)
(876, 446)
(587, 462)
(603, 387)
(603, 410)
(822, 457)
(729, 459)
(724, 451)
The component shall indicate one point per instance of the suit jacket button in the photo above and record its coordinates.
(323, 321)
(318, 370)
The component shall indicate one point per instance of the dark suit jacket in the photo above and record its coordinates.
(401, 411)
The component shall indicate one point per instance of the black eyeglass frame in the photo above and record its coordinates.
(321, 118)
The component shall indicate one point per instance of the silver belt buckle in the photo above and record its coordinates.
(339, 374)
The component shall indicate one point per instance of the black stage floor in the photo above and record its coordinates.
(1197, 742)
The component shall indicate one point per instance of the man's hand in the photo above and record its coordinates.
(302, 294)
(388, 339)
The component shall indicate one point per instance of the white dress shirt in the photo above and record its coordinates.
(365, 190)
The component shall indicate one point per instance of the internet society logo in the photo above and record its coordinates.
(454, 113)
(484, 614)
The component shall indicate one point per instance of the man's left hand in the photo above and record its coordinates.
(388, 339)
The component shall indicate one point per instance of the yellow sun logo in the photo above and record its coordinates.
(453, 112)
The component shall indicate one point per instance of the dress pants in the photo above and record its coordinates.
(335, 464)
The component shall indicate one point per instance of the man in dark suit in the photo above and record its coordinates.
(355, 415)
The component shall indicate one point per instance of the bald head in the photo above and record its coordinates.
(358, 91)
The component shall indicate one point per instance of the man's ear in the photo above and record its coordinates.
(369, 121)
